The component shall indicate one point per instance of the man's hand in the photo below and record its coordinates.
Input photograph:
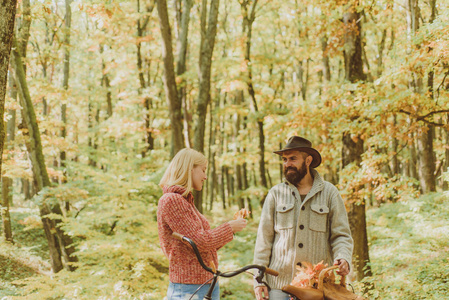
(343, 267)
(261, 292)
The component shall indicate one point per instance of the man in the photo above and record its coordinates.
(303, 220)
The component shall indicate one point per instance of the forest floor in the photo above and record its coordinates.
(409, 252)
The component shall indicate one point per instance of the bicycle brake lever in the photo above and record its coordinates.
(259, 278)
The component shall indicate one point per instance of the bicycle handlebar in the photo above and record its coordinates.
(262, 269)
(177, 236)
(271, 272)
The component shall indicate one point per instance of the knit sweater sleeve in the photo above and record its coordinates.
(180, 216)
(265, 233)
(340, 236)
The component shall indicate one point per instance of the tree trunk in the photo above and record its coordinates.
(7, 183)
(325, 60)
(352, 153)
(446, 155)
(425, 136)
(223, 186)
(353, 47)
(106, 83)
(208, 33)
(26, 189)
(413, 158)
(238, 166)
(303, 77)
(249, 206)
(229, 185)
(65, 81)
(380, 49)
(248, 20)
(24, 28)
(174, 103)
(394, 149)
(353, 145)
(212, 164)
(6, 201)
(213, 180)
(59, 243)
(92, 140)
(8, 13)
(212, 169)
(141, 27)
(222, 133)
(426, 159)
(183, 31)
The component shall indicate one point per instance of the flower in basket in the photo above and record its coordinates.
(307, 274)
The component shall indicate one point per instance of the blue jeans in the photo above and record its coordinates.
(181, 291)
(278, 295)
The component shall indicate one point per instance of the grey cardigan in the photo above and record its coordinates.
(291, 231)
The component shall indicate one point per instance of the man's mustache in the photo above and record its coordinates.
(291, 168)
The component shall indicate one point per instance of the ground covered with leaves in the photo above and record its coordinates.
(409, 251)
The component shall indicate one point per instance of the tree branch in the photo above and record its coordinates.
(423, 118)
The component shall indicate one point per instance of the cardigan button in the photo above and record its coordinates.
(284, 208)
(321, 210)
(303, 208)
(299, 264)
(300, 245)
(301, 227)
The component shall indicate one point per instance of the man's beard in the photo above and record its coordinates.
(297, 175)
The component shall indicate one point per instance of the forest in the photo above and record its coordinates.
(97, 96)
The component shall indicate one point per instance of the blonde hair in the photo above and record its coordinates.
(179, 171)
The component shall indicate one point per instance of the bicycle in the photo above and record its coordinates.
(295, 293)
(216, 273)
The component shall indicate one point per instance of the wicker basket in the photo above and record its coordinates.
(326, 290)
(335, 291)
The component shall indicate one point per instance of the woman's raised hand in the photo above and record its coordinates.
(237, 225)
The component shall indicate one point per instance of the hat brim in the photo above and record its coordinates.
(314, 153)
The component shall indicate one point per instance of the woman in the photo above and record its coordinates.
(177, 213)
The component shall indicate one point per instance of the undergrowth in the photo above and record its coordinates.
(409, 246)
(409, 249)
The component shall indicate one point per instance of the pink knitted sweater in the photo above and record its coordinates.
(178, 214)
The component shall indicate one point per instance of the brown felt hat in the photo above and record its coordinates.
(303, 145)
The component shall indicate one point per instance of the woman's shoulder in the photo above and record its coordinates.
(171, 200)
(170, 197)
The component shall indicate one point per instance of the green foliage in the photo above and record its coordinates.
(112, 221)
(28, 231)
(409, 249)
(18, 263)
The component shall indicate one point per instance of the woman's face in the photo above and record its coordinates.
(198, 177)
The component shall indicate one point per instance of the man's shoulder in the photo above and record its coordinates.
(279, 187)
(330, 191)
(329, 186)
